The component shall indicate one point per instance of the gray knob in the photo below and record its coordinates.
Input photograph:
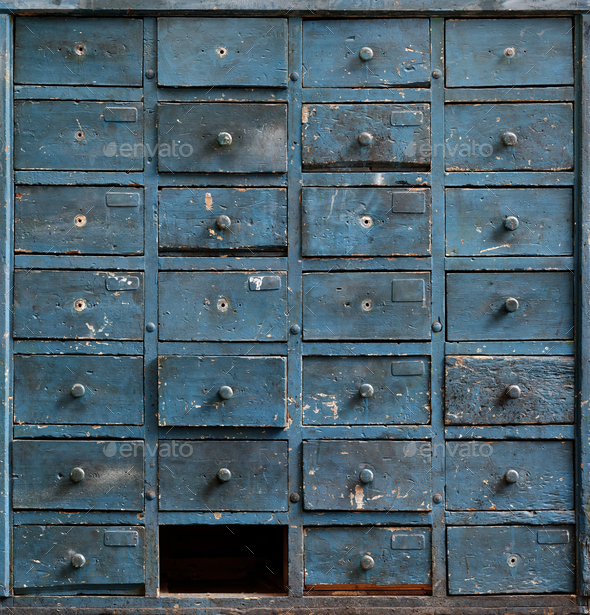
(223, 475)
(511, 223)
(223, 222)
(226, 392)
(365, 138)
(511, 304)
(366, 390)
(513, 391)
(366, 476)
(366, 54)
(367, 562)
(77, 390)
(78, 560)
(77, 475)
(511, 477)
(224, 138)
(509, 138)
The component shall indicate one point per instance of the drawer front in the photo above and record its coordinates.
(222, 51)
(78, 390)
(222, 218)
(504, 52)
(78, 304)
(509, 390)
(511, 559)
(231, 391)
(76, 475)
(341, 53)
(228, 306)
(376, 306)
(222, 137)
(217, 476)
(509, 222)
(74, 220)
(366, 475)
(78, 51)
(504, 475)
(366, 221)
(510, 306)
(357, 558)
(78, 136)
(366, 390)
(80, 559)
(509, 137)
(365, 135)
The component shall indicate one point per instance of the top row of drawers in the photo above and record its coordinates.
(252, 52)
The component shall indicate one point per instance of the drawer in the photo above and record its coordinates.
(509, 137)
(374, 135)
(502, 52)
(222, 218)
(366, 390)
(395, 558)
(344, 53)
(367, 475)
(222, 137)
(509, 390)
(76, 220)
(219, 475)
(78, 304)
(78, 51)
(510, 306)
(222, 51)
(375, 306)
(509, 222)
(222, 391)
(225, 307)
(79, 559)
(366, 221)
(77, 475)
(78, 390)
(505, 475)
(511, 559)
(78, 136)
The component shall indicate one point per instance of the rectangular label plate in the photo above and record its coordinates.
(406, 291)
(122, 199)
(407, 542)
(553, 537)
(120, 539)
(408, 202)
(264, 282)
(122, 282)
(407, 368)
(406, 118)
(120, 114)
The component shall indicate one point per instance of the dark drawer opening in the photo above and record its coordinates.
(224, 559)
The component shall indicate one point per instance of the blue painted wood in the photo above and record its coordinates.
(391, 263)
(510, 178)
(221, 348)
(509, 263)
(81, 347)
(222, 94)
(100, 517)
(511, 94)
(76, 432)
(227, 263)
(77, 92)
(367, 178)
(78, 178)
(511, 432)
(390, 94)
(52, 261)
(514, 348)
(367, 432)
(517, 517)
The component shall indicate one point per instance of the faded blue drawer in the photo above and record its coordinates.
(511, 559)
(78, 136)
(219, 475)
(366, 52)
(367, 475)
(78, 304)
(76, 220)
(368, 305)
(366, 221)
(48, 557)
(232, 391)
(78, 390)
(366, 390)
(222, 51)
(510, 306)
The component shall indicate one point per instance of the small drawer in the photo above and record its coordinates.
(78, 304)
(78, 51)
(517, 559)
(356, 558)
(346, 53)
(505, 475)
(509, 222)
(219, 475)
(78, 136)
(76, 220)
(366, 221)
(509, 52)
(78, 390)
(367, 475)
(366, 390)
(222, 218)
(223, 307)
(510, 306)
(222, 51)
(373, 306)
(77, 475)
(374, 135)
(222, 391)
(509, 390)
(222, 138)
(509, 137)
(79, 559)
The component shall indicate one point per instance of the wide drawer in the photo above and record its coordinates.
(366, 475)
(220, 475)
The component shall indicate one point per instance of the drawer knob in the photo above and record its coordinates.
(77, 475)
(509, 138)
(511, 304)
(509, 52)
(367, 562)
(366, 54)
(365, 138)
(511, 223)
(223, 223)
(366, 390)
(511, 477)
(226, 392)
(223, 475)
(513, 391)
(78, 560)
(366, 476)
(78, 390)
(224, 138)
